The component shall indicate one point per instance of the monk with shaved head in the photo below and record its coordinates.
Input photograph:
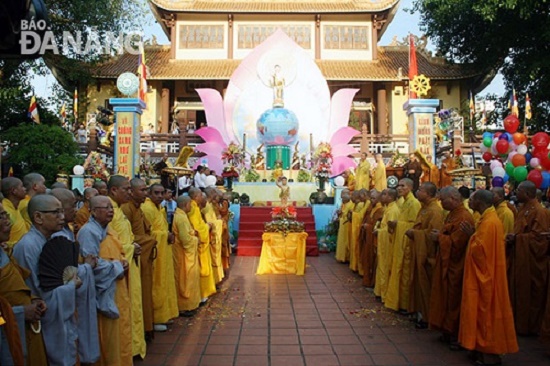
(14, 192)
(34, 184)
(83, 214)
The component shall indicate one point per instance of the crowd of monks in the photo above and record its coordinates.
(137, 272)
(472, 266)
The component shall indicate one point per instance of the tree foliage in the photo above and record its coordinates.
(40, 148)
(511, 36)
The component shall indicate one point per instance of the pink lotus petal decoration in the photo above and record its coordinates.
(214, 111)
(343, 135)
(341, 163)
(210, 134)
(343, 150)
(339, 109)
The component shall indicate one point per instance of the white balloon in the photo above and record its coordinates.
(211, 181)
(495, 164)
(339, 181)
(499, 172)
(522, 149)
(78, 170)
(483, 148)
(534, 162)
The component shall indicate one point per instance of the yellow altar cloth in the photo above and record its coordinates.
(283, 255)
(270, 192)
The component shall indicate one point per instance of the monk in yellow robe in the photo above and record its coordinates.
(344, 229)
(83, 214)
(165, 300)
(368, 239)
(398, 294)
(362, 173)
(14, 191)
(349, 179)
(186, 259)
(486, 319)
(446, 294)
(504, 213)
(527, 261)
(357, 214)
(113, 299)
(423, 251)
(379, 174)
(385, 241)
(119, 193)
(216, 224)
(208, 285)
(447, 164)
(34, 184)
(141, 228)
(14, 290)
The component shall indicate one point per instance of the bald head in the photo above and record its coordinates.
(136, 183)
(498, 192)
(194, 193)
(529, 188)
(42, 202)
(155, 186)
(9, 184)
(34, 183)
(408, 182)
(392, 192)
(183, 201)
(63, 194)
(484, 197)
(429, 188)
(89, 193)
(116, 181)
(101, 187)
(99, 201)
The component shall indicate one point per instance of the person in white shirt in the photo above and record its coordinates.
(204, 173)
(184, 182)
(198, 178)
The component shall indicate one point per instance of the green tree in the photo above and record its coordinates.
(510, 36)
(43, 149)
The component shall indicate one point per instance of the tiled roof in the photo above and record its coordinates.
(274, 6)
(386, 68)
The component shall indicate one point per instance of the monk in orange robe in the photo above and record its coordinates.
(423, 252)
(368, 239)
(141, 229)
(527, 267)
(225, 214)
(446, 294)
(447, 164)
(83, 214)
(545, 327)
(486, 319)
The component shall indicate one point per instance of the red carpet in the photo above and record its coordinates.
(251, 228)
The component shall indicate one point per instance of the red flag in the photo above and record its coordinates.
(413, 67)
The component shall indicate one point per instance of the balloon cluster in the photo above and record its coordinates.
(510, 157)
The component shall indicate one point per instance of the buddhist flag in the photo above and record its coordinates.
(515, 110)
(413, 66)
(472, 107)
(10, 172)
(63, 111)
(33, 111)
(142, 72)
(75, 105)
(483, 114)
(528, 113)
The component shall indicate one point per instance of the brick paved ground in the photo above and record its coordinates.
(323, 318)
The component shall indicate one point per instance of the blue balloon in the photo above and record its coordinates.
(506, 177)
(487, 134)
(528, 157)
(503, 137)
(545, 180)
(498, 182)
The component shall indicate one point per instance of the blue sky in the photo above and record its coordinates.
(402, 24)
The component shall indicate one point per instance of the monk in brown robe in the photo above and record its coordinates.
(142, 236)
(545, 327)
(430, 172)
(368, 239)
(14, 290)
(83, 214)
(486, 319)
(446, 295)
(11, 331)
(423, 252)
(527, 267)
(447, 164)
(225, 215)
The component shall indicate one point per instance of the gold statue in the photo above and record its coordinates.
(278, 84)
(184, 155)
(295, 158)
(260, 160)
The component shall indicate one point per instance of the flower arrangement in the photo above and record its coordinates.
(232, 157)
(323, 161)
(458, 159)
(284, 212)
(397, 160)
(250, 175)
(230, 172)
(303, 176)
(284, 226)
(95, 167)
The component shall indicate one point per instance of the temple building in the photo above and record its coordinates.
(209, 38)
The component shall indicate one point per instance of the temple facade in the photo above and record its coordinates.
(209, 38)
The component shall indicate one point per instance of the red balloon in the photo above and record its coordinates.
(519, 138)
(502, 146)
(540, 140)
(518, 160)
(545, 162)
(535, 176)
(511, 123)
(497, 135)
(487, 156)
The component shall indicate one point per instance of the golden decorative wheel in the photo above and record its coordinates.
(420, 85)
